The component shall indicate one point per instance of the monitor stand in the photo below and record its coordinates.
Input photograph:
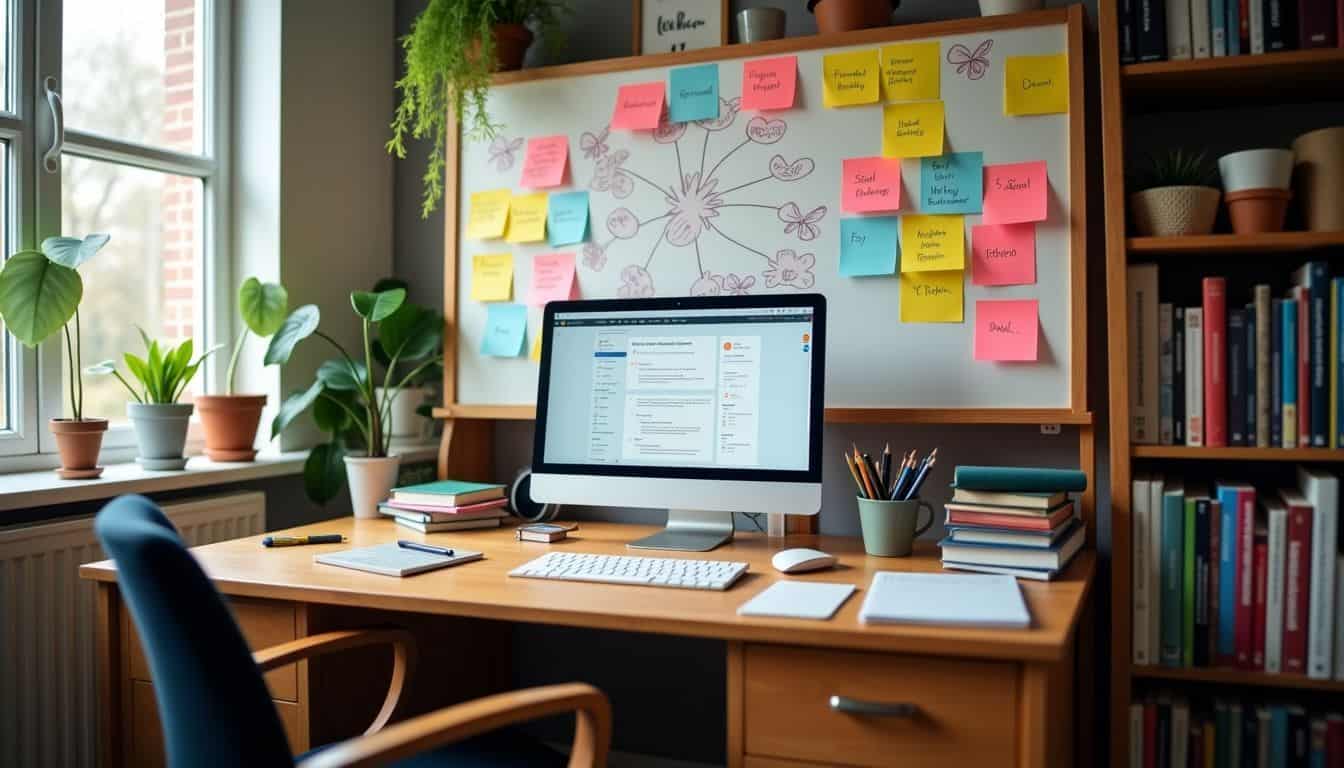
(690, 530)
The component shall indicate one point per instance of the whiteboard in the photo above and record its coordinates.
(774, 235)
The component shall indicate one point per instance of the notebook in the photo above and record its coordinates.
(392, 560)
(798, 600)
(955, 599)
(447, 493)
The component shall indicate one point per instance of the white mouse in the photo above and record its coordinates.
(801, 560)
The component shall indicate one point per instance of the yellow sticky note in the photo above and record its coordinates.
(527, 219)
(1036, 85)
(910, 71)
(489, 214)
(492, 277)
(931, 297)
(535, 354)
(932, 243)
(850, 78)
(912, 130)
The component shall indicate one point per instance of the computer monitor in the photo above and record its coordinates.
(704, 406)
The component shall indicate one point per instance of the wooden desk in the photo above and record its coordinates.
(985, 697)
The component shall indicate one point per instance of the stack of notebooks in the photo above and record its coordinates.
(447, 505)
(1017, 521)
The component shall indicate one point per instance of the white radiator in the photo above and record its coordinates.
(48, 696)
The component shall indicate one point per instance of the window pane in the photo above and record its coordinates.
(8, 347)
(4, 56)
(132, 70)
(149, 275)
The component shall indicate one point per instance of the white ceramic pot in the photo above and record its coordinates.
(1001, 7)
(1256, 169)
(402, 420)
(371, 481)
(1174, 211)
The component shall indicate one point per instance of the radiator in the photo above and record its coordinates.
(48, 696)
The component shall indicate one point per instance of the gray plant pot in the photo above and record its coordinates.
(160, 433)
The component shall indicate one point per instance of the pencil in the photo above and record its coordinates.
(906, 464)
(855, 473)
(863, 472)
(886, 468)
(873, 475)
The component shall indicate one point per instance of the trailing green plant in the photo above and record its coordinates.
(40, 293)
(263, 307)
(163, 373)
(1175, 167)
(450, 56)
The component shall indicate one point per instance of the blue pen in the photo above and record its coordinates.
(919, 478)
(430, 548)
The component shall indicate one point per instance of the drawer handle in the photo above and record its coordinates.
(872, 708)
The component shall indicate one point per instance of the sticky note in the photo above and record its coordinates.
(544, 163)
(488, 214)
(951, 183)
(849, 78)
(931, 297)
(505, 327)
(1015, 192)
(769, 83)
(870, 184)
(527, 219)
(552, 278)
(910, 71)
(567, 218)
(912, 130)
(638, 107)
(693, 93)
(535, 354)
(1036, 85)
(1006, 330)
(868, 246)
(1003, 254)
(492, 277)
(932, 243)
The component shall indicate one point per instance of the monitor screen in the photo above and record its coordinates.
(713, 387)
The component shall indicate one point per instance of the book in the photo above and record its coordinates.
(1255, 12)
(1143, 353)
(1215, 359)
(1263, 327)
(1139, 514)
(1265, 734)
(1151, 30)
(1173, 570)
(1003, 570)
(1313, 278)
(1248, 378)
(1020, 479)
(1236, 500)
(1318, 741)
(1280, 25)
(1232, 739)
(1200, 570)
(1025, 500)
(1217, 27)
(1213, 553)
(447, 493)
(392, 560)
(1235, 30)
(1303, 366)
(1156, 494)
(1194, 376)
(1200, 28)
(1278, 735)
(1033, 539)
(1163, 733)
(1236, 376)
(385, 508)
(1321, 490)
(1259, 566)
(1276, 374)
(1053, 557)
(1296, 583)
(1150, 734)
(1244, 612)
(1180, 733)
(1334, 736)
(1164, 370)
(452, 525)
(1178, 376)
(1276, 516)
(944, 599)
(1013, 522)
(1288, 389)
(1299, 738)
(1136, 745)
(1250, 736)
(1129, 51)
(991, 509)
(1316, 24)
(1189, 577)
(1335, 358)
(1244, 18)
(1339, 625)
(489, 508)
(1180, 43)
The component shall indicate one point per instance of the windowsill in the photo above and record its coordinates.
(25, 490)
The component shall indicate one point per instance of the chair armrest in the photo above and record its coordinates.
(403, 658)
(592, 730)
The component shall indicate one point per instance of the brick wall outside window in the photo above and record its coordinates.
(180, 195)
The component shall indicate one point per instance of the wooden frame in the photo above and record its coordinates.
(637, 41)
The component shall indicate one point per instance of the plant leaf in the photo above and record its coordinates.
(138, 368)
(300, 324)
(295, 404)
(329, 415)
(324, 472)
(263, 306)
(336, 374)
(72, 251)
(37, 296)
(411, 332)
(104, 368)
(376, 307)
(388, 283)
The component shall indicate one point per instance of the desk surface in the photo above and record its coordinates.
(482, 589)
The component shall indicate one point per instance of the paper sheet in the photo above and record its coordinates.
(912, 130)
(870, 184)
(1036, 85)
(910, 71)
(1015, 192)
(567, 218)
(850, 78)
(638, 107)
(1003, 254)
(868, 246)
(951, 183)
(488, 214)
(1006, 330)
(769, 83)
(545, 161)
(932, 243)
(552, 278)
(693, 93)
(505, 327)
(492, 277)
(931, 297)
(527, 218)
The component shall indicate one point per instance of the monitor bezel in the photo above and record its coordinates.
(816, 411)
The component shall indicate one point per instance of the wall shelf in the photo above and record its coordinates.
(1272, 242)
(1234, 453)
(1243, 81)
(1246, 677)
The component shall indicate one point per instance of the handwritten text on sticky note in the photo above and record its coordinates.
(910, 71)
(912, 130)
(489, 213)
(931, 297)
(638, 107)
(1036, 85)
(544, 163)
(930, 243)
(1015, 192)
(850, 78)
(552, 278)
(505, 328)
(870, 184)
(1003, 254)
(769, 83)
(951, 183)
(567, 217)
(492, 277)
(693, 93)
(868, 246)
(527, 219)
(1006, 330)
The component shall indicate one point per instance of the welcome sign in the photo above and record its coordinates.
(679, 25)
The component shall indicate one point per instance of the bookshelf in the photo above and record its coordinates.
(1267, 78)
(1234, 453)
(1240, 677)
(1226, 244)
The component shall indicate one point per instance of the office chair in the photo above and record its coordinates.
(213, 701)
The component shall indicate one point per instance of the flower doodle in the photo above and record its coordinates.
(973, 65)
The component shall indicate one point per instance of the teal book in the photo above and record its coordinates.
(1027, 479)
(1288, 389)
(1278, 736)
(448, 492)
(1172, 571)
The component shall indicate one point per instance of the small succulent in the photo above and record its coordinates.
(1175, 168)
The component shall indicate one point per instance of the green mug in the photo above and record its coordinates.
(890, 527)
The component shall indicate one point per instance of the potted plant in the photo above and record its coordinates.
(846, 15)
(1318, 174)
(1255, 186)
(345, 398)
(160, 421)
(1175, 194)
(404, 419)
(453, 49)
(40, 293)
(230, 420)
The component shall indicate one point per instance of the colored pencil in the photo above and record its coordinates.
(855, 474)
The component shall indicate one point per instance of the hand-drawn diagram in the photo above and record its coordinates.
(972, 64)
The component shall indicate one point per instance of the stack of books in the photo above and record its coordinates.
(1172, 30)
(447, 505)
(1017, 521)
(1172, 730)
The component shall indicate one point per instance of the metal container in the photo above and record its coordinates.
(757, 24)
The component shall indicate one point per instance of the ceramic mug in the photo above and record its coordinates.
(890, 527)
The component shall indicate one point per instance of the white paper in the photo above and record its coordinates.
(945, 598)
(798, 600)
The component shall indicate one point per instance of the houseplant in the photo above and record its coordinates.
(230, 420)
(846, 15)
(1318, 178)
(160, 421)
(1255, 186)
(453, 49)
(344, 396)
(408, 412)
(40, 293)
(1176, 193)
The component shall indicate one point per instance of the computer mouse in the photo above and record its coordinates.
(801, 560)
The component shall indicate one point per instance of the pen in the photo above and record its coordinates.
(906, 464)
(430, 548)
(919, 479)
(886, 468)
(295, 541)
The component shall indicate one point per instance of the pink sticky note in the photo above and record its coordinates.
(638, 107)
(1015, 192)
(552, 278)
(1003, 254)
(769, 83)
(870, 184)
(1006, 330)
(544, 164)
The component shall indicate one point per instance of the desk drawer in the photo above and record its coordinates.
(965, 711)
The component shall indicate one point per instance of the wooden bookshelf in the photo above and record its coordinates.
(1270, 242)
(1244, 677)
(1268, 78)
(1204, 453)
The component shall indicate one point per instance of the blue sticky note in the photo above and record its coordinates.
(951, 183)
(567, 218)
(693, 93)
(868, 245)
(505, 327)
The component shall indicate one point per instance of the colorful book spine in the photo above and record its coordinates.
(1263, 329)
(1178, 376)
(1201, 571)
(1276, 374)
(1335, 358)
(1296, 589)
(1321, 490)
(1318, 304)
(1245, 607)
(1215, 360)
(1152, 30)
(1228, 503)
(1194, 376)
(1214, 553)
(1173, 551)
(1316, 24)
(1189, 581)
(1236, 376)
(1218, 27)
(1248, 378)
(1234, 27)
(1303, 366)
(1277, 523)
(1201, 28)
(1164, 372)
(1288, 387)
(1280, 25)
(1259, 572)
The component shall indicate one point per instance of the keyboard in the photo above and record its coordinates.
(640, 571)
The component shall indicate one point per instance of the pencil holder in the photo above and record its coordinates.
(891, 527)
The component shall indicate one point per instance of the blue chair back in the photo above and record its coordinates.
(212, 700)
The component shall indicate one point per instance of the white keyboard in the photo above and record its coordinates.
(640, 571)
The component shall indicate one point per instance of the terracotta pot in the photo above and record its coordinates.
(846, 15)
(1318, 177)
(79, 443)
(1173, 211)
(511, 44)
(1257, 210)
(230, 424)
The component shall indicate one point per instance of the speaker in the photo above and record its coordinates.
(521, 503)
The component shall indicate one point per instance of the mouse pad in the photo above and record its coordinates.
(798, 600)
